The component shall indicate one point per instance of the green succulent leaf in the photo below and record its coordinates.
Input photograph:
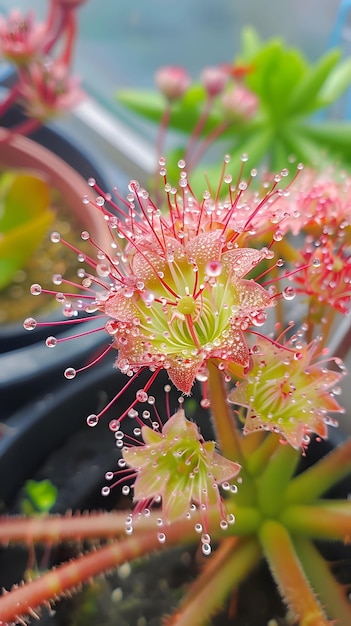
(149, 104)
(250, 44)
(337, 83)
(184, 113)
(304, 149)
(334, 134)
(40, 496)
(289, 90)
(276, 73)
(25, 217)
(304, 97)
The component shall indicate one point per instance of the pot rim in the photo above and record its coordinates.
(17, 151)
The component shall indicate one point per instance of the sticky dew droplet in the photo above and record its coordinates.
(55, 237)
(278, 235)
(202, 375)
(213, 268)
(35, 289)
(70, 373)
(206, 549)
(30, 323)
(51, 342)
(141, 395)
(289, 293)
(205, 403)
(57, 279)
(92, 420)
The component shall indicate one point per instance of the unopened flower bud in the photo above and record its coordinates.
(70, 4)
(214, 80)
(240, 103)
(172, 81)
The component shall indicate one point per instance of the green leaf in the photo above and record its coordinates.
(251, 44)
(337, 83)
(308, 88)
(41, 496)
(25, 217)
(278, 158)
(23, 195)
(184, 112)
(256, 147)
(18, 245)
(276, 73)
(335, 135)
(149, 104)
(304, 149)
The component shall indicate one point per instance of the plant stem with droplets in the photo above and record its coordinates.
(289, 575)
(221, 575)
(23, 600)
(55, 529)
(331, 593)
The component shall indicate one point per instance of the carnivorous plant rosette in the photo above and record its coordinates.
(189, 286)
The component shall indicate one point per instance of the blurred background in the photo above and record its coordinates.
(121, 44)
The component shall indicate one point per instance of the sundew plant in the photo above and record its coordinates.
(40, 55)
(235, 294)
(237, 291)
(269, 101)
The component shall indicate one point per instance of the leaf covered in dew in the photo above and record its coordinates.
(179, 466)
(25, 217)
(287, 391)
